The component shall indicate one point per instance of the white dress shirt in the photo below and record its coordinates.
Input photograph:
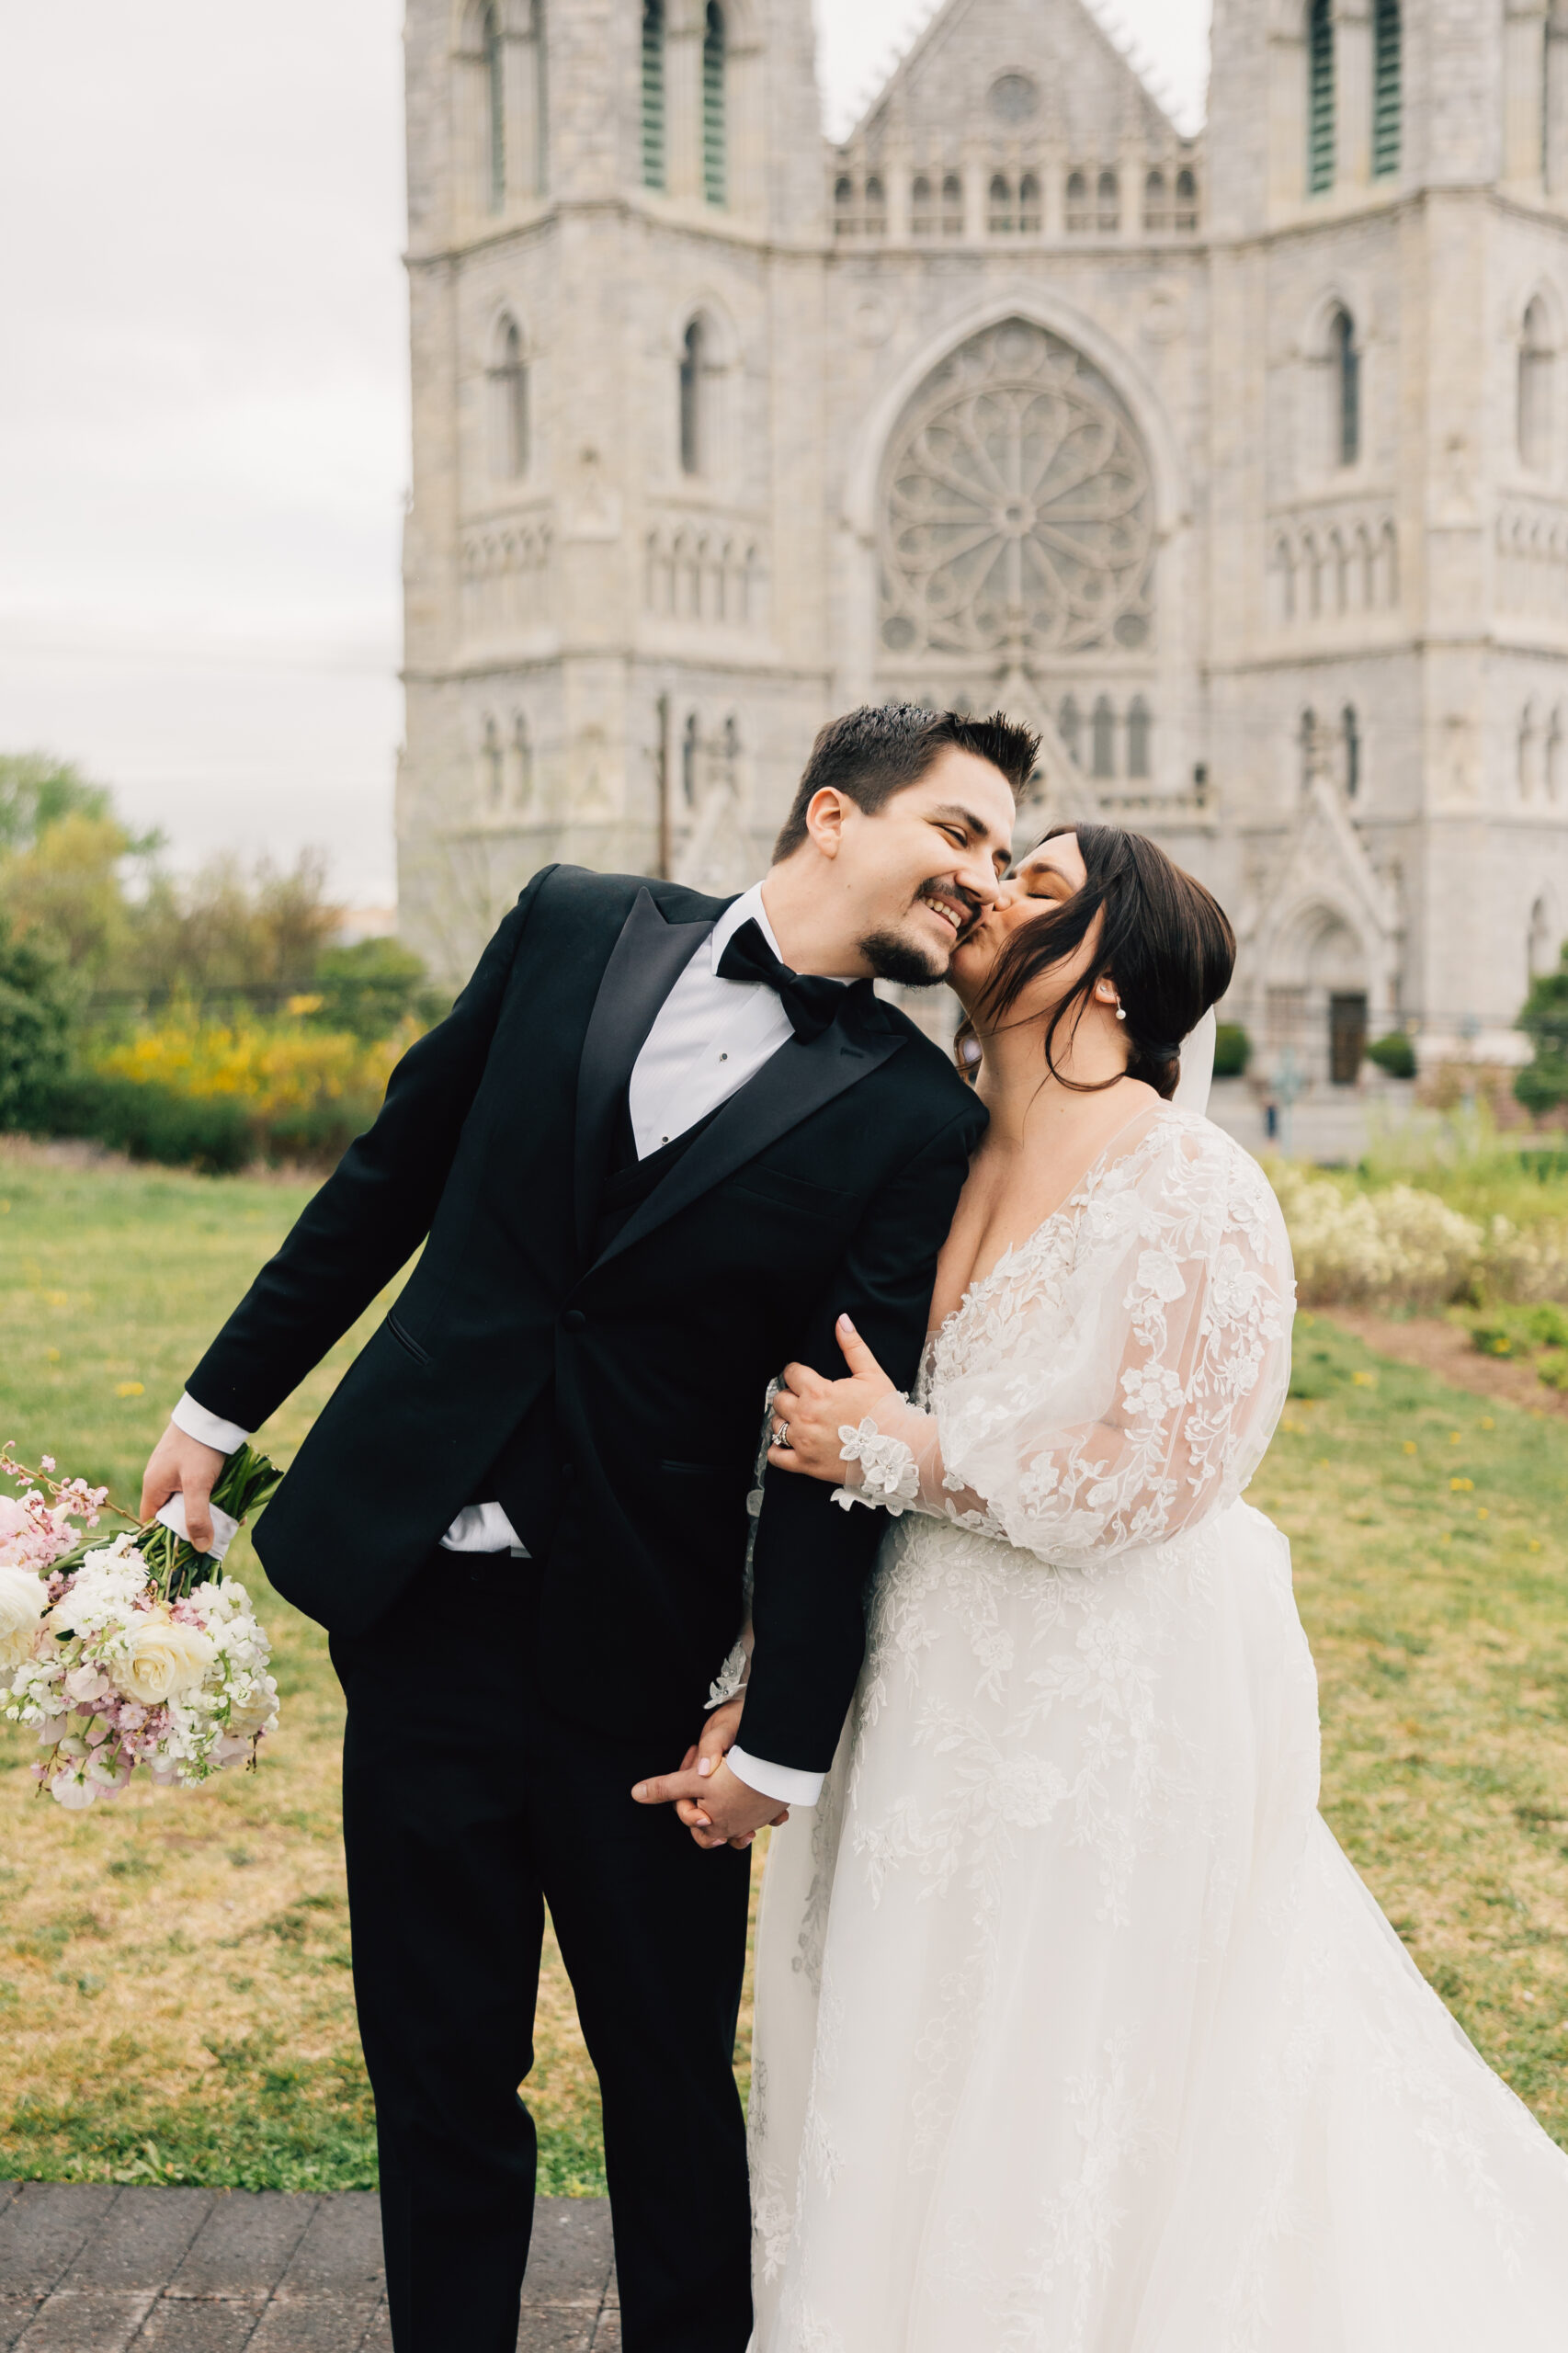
(708, 1038)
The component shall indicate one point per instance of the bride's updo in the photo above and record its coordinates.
(1164, 939)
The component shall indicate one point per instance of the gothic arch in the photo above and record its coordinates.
(704, 303)
(1036, 307)
(518, 18)
(1319, 317)
(1543, 935)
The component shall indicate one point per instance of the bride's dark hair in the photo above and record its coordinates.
(1165, 941)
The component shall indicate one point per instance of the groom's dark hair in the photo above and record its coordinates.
(883, 748)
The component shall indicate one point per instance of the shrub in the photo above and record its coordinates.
(1233, 1050)
(280, 1090)
(1397, 1245)
(35, 1019)
(278, 1071)
(213, 1133)
(1394, 1055)
(1543, 1083)
(1527, 1262)
(1548, 1325)
(371, 989)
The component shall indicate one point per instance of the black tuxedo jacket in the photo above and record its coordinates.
(826, 1183)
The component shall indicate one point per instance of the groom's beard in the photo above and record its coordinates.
(892, 958)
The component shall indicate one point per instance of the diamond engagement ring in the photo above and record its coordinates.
(781, 1434)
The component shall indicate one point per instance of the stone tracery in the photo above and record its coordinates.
(1018, 509)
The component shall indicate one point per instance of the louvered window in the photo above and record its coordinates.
(653, 93)
(714, 173)
(1385, 89)
(1320, 98)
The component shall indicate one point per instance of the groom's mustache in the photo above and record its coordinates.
(970, 910)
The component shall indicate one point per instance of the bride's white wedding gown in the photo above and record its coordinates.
(1075, 2031)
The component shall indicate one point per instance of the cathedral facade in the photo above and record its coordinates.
(1236, 464)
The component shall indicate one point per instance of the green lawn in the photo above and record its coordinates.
(174, 1980)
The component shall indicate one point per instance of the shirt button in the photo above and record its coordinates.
(723, 1057)
(573, 1320)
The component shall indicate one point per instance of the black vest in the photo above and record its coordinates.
(528, 1476)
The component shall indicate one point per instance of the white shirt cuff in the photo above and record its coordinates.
(785, 1782)
(211, 1429)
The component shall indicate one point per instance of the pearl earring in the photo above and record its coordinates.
(1120, 1010)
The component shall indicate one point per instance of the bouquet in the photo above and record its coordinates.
(133, 1649)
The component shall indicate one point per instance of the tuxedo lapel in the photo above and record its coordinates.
(798, 1080)
(644, 965)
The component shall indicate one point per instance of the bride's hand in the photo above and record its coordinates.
(813, 1410)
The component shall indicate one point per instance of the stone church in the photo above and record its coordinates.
(1238, 464)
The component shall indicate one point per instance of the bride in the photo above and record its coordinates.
(1075, 2030)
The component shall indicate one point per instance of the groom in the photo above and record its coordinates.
(658, 1145)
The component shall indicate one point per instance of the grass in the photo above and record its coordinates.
(1430, 1531)
(175, 1994)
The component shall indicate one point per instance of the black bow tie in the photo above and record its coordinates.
(812, 1003)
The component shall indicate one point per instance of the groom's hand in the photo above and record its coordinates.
(181, 1465)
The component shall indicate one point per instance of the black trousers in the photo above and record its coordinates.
(468, 1805)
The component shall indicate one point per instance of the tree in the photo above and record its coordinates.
(370, 988)
(221, 930)
(1543, 1083)
(35, 1021)
(37, 790)
(63, 892)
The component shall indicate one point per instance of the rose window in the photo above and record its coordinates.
(1017, 507)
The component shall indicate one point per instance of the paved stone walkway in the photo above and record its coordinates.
(86, 2268)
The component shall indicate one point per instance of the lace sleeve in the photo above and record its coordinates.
(1150, 1410)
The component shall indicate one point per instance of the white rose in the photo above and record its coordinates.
(23, 1599)
(166, 1660)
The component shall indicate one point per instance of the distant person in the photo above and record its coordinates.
(660, 1143)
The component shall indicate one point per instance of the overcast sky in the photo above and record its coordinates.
(203, 414)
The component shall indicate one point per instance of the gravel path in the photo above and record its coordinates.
(89, 2269)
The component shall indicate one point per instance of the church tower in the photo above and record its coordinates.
(615, 652)
(1388, 548)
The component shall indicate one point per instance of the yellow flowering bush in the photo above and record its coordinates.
(274, 1068)
(218, 1095)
